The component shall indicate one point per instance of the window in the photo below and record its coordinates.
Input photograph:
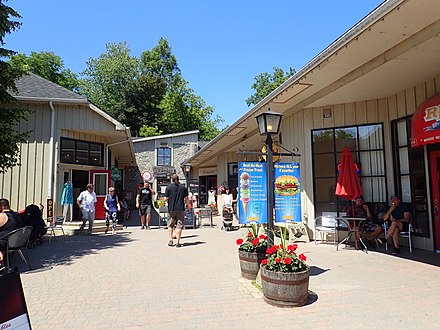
(410, 176)
(163, 156)
(81, 152)
(366, 146)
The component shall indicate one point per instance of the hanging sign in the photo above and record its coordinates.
(287, 192)
(252, 192)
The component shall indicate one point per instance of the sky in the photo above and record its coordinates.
(220, 46)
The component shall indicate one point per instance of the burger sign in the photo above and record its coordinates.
(286, 185)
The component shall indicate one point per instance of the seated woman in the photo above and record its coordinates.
(398, 213)
(361, 210)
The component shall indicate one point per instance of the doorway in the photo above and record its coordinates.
(205, 184)
(80, 179)
(435, 184)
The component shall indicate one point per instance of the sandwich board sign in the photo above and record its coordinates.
(13, 310)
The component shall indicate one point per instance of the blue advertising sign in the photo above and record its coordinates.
(252, 192)
(287, 192)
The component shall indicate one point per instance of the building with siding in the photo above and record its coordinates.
(364, 91)
(70, 140)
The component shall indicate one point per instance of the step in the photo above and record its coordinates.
(72, 227)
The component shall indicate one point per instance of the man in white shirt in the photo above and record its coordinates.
(86, 201)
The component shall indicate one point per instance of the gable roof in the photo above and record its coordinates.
(166, 136)
(33, 87)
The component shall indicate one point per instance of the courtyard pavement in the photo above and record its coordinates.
(133, 280)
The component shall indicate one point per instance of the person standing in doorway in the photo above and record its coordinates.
(112, 206)
(86, 202)
(144, 202)
(177, 196)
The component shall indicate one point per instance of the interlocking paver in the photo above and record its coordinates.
(133, 280)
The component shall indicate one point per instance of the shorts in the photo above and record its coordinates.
(145, 209)
(175, 219)
(369, 225)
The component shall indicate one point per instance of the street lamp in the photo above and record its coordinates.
(187, 168)
(269, 124)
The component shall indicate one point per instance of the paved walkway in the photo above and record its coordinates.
(133, 280)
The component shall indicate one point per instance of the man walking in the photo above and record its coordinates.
(86, 202)
(177, 196)
(144, 202)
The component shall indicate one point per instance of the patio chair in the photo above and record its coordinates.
(17, 241)
(329, 225)
(406, 233)
(55, 224)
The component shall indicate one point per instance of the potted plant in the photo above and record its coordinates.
(251, 252)
(285, 275)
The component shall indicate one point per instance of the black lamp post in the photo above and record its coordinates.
(187, 169)
(269, 124)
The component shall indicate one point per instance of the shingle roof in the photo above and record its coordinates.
(34, 86)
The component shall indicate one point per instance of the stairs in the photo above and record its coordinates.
(72, 227)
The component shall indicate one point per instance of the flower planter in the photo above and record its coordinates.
(250, 263)
(285, 289)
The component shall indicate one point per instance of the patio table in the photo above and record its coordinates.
(353, 225)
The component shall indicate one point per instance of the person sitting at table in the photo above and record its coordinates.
(398, 213)
(361, 210)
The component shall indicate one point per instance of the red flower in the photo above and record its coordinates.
(249, 234)
(262, 236)
(271, 250)
(287, 261)
(255, 241)
(277, 260)
(292, 248)
(264, 262)
(302, 257)
(281, 246)
(239, 241)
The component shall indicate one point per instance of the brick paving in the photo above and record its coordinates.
(133, 280)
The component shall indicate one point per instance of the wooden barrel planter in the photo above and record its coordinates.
(285, 289)
(250, 263)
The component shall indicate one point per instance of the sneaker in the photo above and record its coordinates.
(148, 228)
(89, 234)
(81, 228)
(142, 227)
(396, 251)
(381, 241)
(178, 245)
(170, 243)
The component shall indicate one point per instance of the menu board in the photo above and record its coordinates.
(13, 310)
(287, 190)
(252, 192)
(189, 219)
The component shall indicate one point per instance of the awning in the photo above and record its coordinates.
(425, 125)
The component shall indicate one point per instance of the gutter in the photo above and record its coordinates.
(51, 151)
(351, 34)
(50, 99)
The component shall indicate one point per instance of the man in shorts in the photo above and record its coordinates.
(86, 202)
(177, 196)
(144, 202)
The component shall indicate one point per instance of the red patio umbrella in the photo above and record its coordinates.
(348, 186)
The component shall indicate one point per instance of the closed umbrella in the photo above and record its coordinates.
(348, 185)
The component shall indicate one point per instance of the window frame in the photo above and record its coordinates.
(158, 156)
(75, 152)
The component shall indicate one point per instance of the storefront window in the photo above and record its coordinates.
(81, 152)
(410, 176)
(366, 146)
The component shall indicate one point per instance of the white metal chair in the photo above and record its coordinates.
(329, 225)
(405, 233)
(55, 224)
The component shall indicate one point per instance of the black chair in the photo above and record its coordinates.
(17, 241)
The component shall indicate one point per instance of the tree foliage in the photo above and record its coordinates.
(46, 65)
(265, 83)
(9, 136)
(148, 94)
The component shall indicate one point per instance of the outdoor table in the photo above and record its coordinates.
(353, 228)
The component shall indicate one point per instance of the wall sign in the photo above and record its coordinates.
(287, 193)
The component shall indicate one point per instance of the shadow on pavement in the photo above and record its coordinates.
(185, 244)
(314, 271)
(62, 252)
(426, 257)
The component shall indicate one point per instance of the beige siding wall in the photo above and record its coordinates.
(29, 183)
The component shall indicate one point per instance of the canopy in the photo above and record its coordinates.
(425, 124)
(348, 185)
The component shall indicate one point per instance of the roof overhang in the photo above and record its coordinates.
(393, 48)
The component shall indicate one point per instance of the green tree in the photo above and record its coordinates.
(10, 137)
(265, 83)
(47, 65)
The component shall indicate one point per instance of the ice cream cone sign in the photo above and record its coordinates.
(244, 190)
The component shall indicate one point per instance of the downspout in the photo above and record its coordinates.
(51, 150)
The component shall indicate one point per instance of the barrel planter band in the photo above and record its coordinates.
(250, 263)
